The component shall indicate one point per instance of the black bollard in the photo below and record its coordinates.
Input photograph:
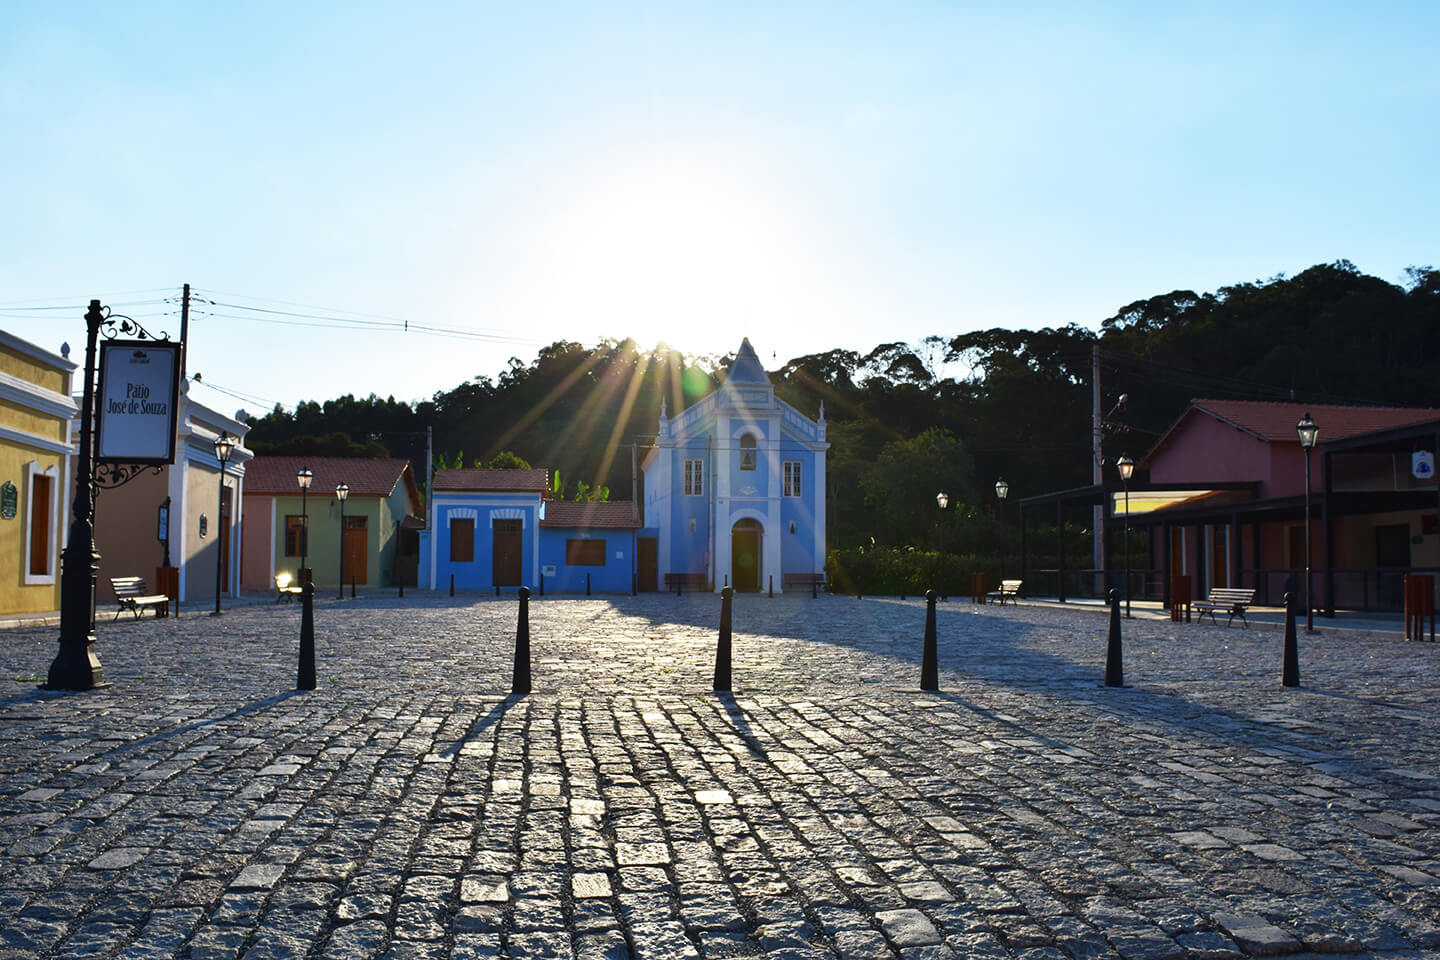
(1114, 670)
(352, 588)
(634, 584)
(772, 586)
(521, 683)
(452, 584)
(305, 679)
(722, 649)
(679, 586)
(1290, 672)
(402, 588)
(587, 584)
(542, 583)
(497, 589)
(929, 659)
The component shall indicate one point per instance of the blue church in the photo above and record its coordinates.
(734, 489)
(734, 494)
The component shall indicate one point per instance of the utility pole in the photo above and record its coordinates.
(184, 328)
(1097, 467)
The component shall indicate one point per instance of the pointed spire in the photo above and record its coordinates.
(822, 411)
(746, 368)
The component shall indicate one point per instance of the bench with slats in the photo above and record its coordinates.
(682, 581)
(131, 595)
(1008, 589)
(812, 580)
(1232, 601)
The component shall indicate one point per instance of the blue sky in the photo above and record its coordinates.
(808, 175)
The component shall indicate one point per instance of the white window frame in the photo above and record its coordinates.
(794, 478)
(694, 477)
(32, 470)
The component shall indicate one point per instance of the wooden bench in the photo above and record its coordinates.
(1008, 588)
(1232, 600)
(694, 581)
(286, 588)
(130, 592)
(812, 580)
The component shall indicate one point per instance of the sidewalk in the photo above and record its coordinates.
(411, 807)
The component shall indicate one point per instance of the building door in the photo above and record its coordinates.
(356, 545)
(745, 556)
(647, 552)
(1219, 556)
(506, 541)
(1392, 557)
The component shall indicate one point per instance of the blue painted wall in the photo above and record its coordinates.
(613, 577)
(478, 574)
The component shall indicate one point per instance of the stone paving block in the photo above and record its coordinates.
(908, 928)
(1256, 935)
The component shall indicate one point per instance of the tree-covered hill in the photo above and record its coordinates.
(953, 411)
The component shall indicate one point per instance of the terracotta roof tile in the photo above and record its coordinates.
(275, 476)
(565, 513)
(537, 480)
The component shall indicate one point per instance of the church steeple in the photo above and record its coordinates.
(746, 367)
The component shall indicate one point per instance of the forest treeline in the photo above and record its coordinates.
(952, 412)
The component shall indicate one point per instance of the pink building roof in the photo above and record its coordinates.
(565, 513)
(497, 481)
(1275, 422)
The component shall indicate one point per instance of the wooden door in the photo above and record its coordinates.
(647, 552)
(506, 541)
(1220, 556)
(356, 545)
(1392, 557)
(745, 556)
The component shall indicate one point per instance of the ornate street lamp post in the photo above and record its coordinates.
(303, 478)
(342, 490)
(224, 447)
(1126, 466)
(1002, 490)
(1309, 433)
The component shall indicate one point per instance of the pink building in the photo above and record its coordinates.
(1220, 499)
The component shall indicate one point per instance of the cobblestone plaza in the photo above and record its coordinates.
(410, 808)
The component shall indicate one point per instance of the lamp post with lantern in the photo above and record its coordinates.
(342, 490)
(224, 447)
(1308, 432)
(303, 478)
(1002, 490)
(1126, 466)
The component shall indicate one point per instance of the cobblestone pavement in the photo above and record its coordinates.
(409, 808)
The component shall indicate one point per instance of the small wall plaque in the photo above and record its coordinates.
(9, 500)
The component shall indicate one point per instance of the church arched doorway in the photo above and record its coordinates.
(745, 539)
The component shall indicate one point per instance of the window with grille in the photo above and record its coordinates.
(694, 477)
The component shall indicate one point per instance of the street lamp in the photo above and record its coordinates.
(943, 499)
(1002, 490)
(303, 478)
(224, 447)
(1309, 433)
(342, 490)
(1126, 466)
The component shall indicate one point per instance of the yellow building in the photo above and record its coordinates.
(36, 485)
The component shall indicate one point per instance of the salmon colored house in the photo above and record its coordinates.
(379, 538)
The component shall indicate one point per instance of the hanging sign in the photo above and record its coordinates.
(139, 394)
(1422, 464)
